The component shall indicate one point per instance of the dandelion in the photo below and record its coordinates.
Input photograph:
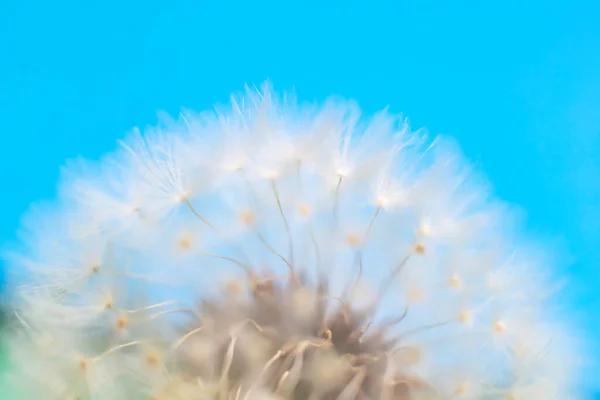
(278, 251)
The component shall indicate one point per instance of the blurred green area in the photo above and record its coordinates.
(7, 390)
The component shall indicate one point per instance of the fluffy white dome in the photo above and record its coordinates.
(394, 222)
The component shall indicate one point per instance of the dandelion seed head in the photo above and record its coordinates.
(363, 260)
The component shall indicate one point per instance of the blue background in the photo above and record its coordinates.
(517, 84)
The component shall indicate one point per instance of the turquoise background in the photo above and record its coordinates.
(517, 83)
